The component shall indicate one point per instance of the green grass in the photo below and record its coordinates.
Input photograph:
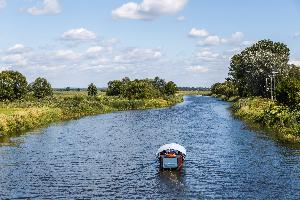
(279, 121)
(30, 113)
(204, 93)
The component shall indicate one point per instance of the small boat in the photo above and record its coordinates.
(171, 156)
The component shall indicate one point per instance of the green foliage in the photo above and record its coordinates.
(288, 92)
(280, 121)
(159, 84)
(141, 89)
(22, 115)
(170, 88)
(41, 88)
(226, 89)
(114, 88)
(249, 69)
(294, 72)
(92, 90)
(13, 85)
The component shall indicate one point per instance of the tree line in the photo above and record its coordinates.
(261, 70)
(14, 86)
(141, 88)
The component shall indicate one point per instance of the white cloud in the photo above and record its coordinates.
(236, 38)
(148, 9)
(297, 34)
(14, 59)
(46, 7)
(197, 69)
(17, 48)
(181, 18)
(94, 50)
(4, 68)
(198, 32)
(79, 34)
(66, 55)
(207, 55)
(2, 3)
(138, 55)
(211, 40)
(295, 62)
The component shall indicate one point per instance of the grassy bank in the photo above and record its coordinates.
(194, 92)
(24, 115)
(279, 121)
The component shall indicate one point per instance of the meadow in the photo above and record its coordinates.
(27, 114)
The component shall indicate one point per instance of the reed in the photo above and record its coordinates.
(30, 113)
(277, 120)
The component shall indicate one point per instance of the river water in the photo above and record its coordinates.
(112, 156)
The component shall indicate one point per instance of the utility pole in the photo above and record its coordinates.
(271, 83)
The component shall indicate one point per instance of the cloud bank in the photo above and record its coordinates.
(148, 9)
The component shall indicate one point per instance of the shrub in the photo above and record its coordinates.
(288, 92)
(41, 88)
(92, 90)
(114, 88)
(226, 89)
(170, 88)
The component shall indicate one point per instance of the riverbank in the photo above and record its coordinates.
(25, 115)
(278, 121)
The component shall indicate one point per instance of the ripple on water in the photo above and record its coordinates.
(112, 156)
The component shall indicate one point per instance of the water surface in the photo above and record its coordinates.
(112, 156)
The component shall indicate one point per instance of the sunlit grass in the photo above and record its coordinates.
(279, 120)
(23, 115)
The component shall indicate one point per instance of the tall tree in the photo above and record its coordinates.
(41, 88)
(13, 85)
(249, 69)
(114, 88)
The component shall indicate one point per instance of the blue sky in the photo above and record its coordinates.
(73, 43)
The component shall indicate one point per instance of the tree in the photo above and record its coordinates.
(41, 88)
(249, 69)
(140, 89)
(288, 92)
(294, 72)
(159, 84)
(92, 90)
(114, 88)
(13, 85)
(227, 89)
(170, 88)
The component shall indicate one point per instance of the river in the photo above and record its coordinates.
(112, 156)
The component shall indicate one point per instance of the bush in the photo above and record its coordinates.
(141, 89)
(226, 89)
(41, 88)
(92, 90)
(288, 92)
(13, 85)
(170, 88)
(114, 88)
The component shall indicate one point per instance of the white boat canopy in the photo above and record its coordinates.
(173, 146)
